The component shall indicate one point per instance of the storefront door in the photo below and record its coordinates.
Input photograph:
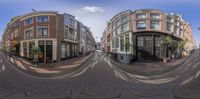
(48, 51)
(145, 47)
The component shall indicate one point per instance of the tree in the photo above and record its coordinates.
(36, 51)
(13, 43)
(181, 45)
(4, 48)
(166, 41)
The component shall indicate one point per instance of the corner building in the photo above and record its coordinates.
(57, 35)
(137, 35)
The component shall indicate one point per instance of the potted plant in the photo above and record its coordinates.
(36, 51)
(166, 41)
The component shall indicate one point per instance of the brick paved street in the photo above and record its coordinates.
(48, 70)
(99, 79)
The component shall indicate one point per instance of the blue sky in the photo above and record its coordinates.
(95, 13)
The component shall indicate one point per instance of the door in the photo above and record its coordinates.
(48, 51)
(145, 47)
(157, 47)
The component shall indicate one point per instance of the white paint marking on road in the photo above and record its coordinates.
(158, 81)
(109, 64)
(93, 64)
(197, 74)
(187, 80)
(195, 65)
(3, 67)
(84, 70)
(122, 76)
(20, 65)
(116, 74)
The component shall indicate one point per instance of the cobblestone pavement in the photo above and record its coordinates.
(99, 79)
(149, 67)
(48, 70)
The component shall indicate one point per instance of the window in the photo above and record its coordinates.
(148, 41)
(125, 18)
(169, 27)
(113, 26)
(16, 33)
(169, 19)
(42, 19)
(66, 32)
(71, 22)
(177, 23)
(113, 33)
(63, 51)
(125, 27)
(141, 16)
(48, 42)
(155, 16)
(117, 23)
(141, 25)
(113, 43)
(177, 31)
(122, 43)
(28, 21)
(28, 33)
(155, 25)
(181, 33)
(127, 44)
(117, 43)
(31, 45)
(42, 31)
(157, 41)
(118, 30)
(140, 41)
(11, 35)
(16, 23)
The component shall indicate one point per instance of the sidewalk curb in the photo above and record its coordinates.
(117, 64)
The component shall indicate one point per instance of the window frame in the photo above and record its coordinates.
(140, 27)
(37, 19)
(26, 20)
(154, 16)
(30, 33)
(155, 27)
(42, 27)
(141, 15)
(127, 27)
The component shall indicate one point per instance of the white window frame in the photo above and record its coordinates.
(155, 16)
(38, 35)
(139, 27)
(25, 24)
(30, 35)
(157, 26)
(125, 27)
(37, 19)
(141, 16)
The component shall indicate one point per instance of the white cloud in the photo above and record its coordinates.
(92, 9)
